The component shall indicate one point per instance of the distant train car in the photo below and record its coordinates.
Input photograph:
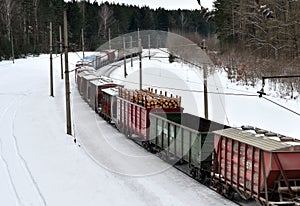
(262, 165)
(105, 57)
(87, 61)
(85, 86)
(95, 93)
(80, 74)
(186, 138)
(109, 104)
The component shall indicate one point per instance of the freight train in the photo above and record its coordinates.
(254, 163)
(106, 57)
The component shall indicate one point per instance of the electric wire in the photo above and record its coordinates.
(282, 106)
(200, 91)
(185, 90)
(219, 96)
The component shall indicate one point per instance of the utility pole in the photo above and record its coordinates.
(109, 42)
(124, 47)
(12, 47)
(149, 45)
(82, 37)
(61, 53)
(205, 85)
(131, 51)
(51, 63)
(261, 92)
(67, 83)
(140, 57)
(205, 92)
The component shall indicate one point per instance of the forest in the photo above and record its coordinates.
(24, 24)
(250, 38)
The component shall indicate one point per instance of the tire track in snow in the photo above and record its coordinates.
(22, 159)
(4, 160)
(23, 163)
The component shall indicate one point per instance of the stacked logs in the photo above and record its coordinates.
(150, 99)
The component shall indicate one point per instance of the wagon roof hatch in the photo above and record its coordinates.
(258, 140)
(111, 91)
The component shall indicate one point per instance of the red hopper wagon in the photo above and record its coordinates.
(257, 164)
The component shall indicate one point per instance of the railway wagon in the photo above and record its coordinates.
(260, 165)
(109, 104)
(101, 59)
(185, 138)
(85, 85)
(133, 108)
(79, 75)
(105, 57)
(95, 91)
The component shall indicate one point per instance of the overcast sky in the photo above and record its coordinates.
(167, 4)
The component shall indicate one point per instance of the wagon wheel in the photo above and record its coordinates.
(229, 194)
(149, 148)
(207, 181)
(219, 188)
(194, 172)
(128, 134)
(244, 195)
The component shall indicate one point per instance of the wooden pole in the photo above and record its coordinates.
(131, 52)
(12, 47)
(61, 53)
(82, 37)
(67, 83)
(51, 63)
(109, 42)
(124, 47)
(140, 57)
(205, 86)
(149, 45)
(205, 92)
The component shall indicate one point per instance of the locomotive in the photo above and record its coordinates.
(254, 163)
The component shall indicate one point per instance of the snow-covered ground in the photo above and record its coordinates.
(41, 165)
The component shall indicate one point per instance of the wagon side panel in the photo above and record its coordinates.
(238, 165)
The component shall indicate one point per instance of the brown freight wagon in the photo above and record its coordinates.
(109, 104)
(85, 85)
(257, 164)
(95, 91)
(80, 75)
(134, 106)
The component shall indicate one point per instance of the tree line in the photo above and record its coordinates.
(24, 24)
(251, 42)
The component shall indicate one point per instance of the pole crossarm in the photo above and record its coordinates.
(261, 92)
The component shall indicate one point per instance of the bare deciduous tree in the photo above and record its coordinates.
(36, 30)
(7, 7)
(106, 19)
